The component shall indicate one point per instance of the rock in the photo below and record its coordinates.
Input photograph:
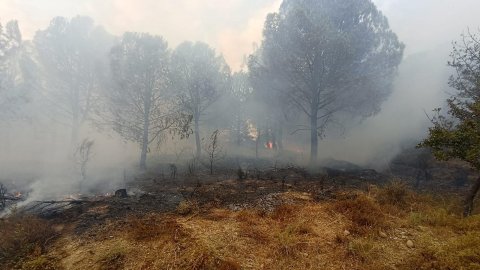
(410, 244)
(346, 233)
(121, 193)
(382, 234)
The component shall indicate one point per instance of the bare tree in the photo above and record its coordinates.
(82, 156)
(213, 150)
(201, 76)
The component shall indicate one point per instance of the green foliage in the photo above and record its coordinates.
(457, 135)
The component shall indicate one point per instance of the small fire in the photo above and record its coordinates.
(17, 194)
(269, 145)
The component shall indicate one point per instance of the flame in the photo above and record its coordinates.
(269, 145)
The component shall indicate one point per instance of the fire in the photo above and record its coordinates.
(269, 145)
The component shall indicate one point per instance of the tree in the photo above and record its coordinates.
(82, 156)
(457, 135)
(73, 57)
(201, 76)
(11, 76)
(213, 150)
(241, 92)
(325, 57)
(141, 104)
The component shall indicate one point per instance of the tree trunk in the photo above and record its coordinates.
(257, 142)
(468, 207)
(146, 128)
(197, 135)
(238, 130)
(143, 155)
(313, 139)
(75, 118)
(280, 137)
(74, 135)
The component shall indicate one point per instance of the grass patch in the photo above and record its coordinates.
(396, 193)
(284, 212)
(22, 236)
(112, 259)
(364, 249)
(363, 211)
(41, 263)
(153, 227)
(459, 252)
(187, 207)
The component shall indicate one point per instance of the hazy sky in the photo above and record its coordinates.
(232, 26)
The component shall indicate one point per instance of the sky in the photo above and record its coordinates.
(234, 26)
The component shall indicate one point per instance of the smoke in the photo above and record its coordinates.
(427, 28)
(37, 154)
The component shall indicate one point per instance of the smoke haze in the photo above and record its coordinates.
(232, 27)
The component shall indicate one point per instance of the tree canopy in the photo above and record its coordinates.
(201, 76)
(326, 57)
(457, 134)
(141, 103)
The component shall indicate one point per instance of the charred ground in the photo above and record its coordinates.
(277, 217)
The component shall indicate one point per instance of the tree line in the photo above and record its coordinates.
(320, 62)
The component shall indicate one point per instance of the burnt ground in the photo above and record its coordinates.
(155, 193)
(291, 219)
(152, 193)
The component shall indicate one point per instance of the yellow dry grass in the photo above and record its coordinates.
(300, 234)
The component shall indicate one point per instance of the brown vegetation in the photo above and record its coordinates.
(22, 236)
(357, 230)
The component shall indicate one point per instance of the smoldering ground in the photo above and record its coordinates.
(39, 156)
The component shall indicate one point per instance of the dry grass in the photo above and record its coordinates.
(363, 211)
(284, 212)
(153, 227)
(112, 259)
(22, 236)
(445, 253)
(300, 235)
(396, 193)
(187, 207)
